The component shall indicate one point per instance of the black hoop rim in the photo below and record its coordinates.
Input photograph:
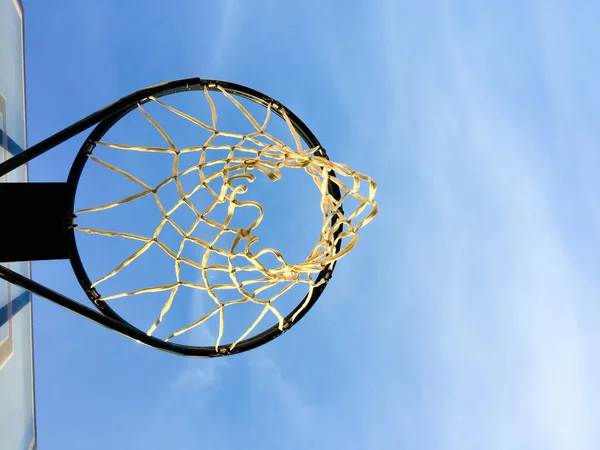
(121, 109)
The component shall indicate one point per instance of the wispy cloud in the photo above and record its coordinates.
(270, 380)
(196, 377)
(485, 309)
(508, 344)
(228, 27)
(199, 374)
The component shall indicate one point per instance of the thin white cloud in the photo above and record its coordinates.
(506, 305)
(200, 374)
(227, 25)
(270, 379)
(483, 336)
(196, 377)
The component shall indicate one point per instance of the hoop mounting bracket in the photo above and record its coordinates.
(35, 220)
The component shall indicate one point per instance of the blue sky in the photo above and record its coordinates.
(465, 318)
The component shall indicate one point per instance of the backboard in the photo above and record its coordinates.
(17, 403)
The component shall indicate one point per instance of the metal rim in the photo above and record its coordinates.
(78, 166)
